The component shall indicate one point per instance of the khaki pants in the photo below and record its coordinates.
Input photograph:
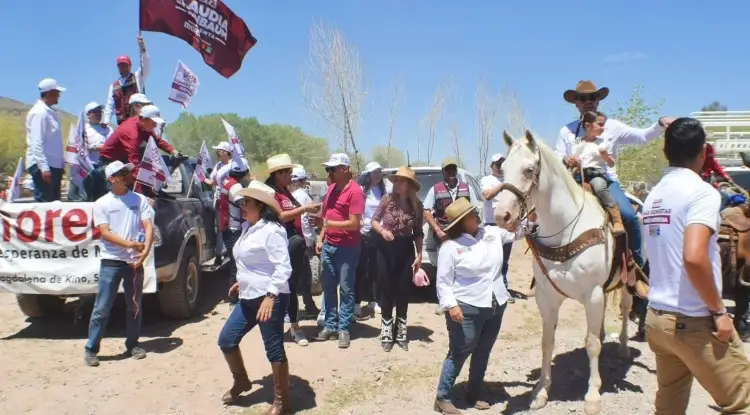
(685, 348)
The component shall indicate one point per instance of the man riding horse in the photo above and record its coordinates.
(586, 97)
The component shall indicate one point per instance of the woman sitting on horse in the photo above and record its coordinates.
(595, 158)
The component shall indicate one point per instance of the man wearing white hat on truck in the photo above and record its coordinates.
(44, 143)
(94, 186)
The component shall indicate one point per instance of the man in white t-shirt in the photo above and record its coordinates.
(688, 327)
(491, 186)
(125, 220)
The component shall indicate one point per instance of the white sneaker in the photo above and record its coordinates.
(375, 307)
(299, 336)
(287, 320)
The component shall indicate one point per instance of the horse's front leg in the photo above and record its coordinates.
(626, 303)
(594, 305)
(549, 309)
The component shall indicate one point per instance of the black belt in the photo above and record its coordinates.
(113, 262)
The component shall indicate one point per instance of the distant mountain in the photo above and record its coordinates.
(10, 106)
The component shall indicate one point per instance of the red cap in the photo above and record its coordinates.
(123, 59)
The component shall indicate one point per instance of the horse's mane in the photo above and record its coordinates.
(552, 162)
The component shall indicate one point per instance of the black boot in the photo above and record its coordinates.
(386, 333)
(401, 333)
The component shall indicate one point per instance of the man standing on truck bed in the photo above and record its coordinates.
(129, 140)
(125, 221)
(44, 143)
(128, 84)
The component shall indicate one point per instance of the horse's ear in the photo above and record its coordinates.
(509, 140)
(531, 140)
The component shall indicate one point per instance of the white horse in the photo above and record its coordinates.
(573, 221)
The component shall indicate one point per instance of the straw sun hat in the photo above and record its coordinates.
(261, 192)
(279, 162)
(457, 210)
(408, 174)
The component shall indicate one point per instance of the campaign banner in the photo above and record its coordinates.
(54, 248)
(184, 85)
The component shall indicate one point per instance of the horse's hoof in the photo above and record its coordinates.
(538, 403)
(592, 407)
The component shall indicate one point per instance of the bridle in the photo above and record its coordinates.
(524, 197)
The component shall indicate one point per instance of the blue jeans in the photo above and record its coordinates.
(242, 319)
(111, 274)
(629, 220)
(474, 337)
(43, 191)
(339, 271)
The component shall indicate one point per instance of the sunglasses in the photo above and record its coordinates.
(330, 169)
(587, 97)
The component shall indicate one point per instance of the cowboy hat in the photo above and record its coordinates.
(584, 88)
(456, 211)
(279, 162)
(409, 175)
(259, 191)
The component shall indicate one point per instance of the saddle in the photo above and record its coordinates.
(736, 218)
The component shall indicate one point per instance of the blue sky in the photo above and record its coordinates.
(688, 53)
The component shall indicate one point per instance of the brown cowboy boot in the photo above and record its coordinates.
(280, 403)
(241, 381)
(617, 227)
(446, 408)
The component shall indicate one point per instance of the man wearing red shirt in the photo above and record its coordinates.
(710, 165)
(129, 140)
(338, 245)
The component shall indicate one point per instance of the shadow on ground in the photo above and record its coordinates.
(570, 377)
(67, 326)
(302, 395)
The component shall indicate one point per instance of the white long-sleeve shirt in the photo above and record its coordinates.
(44, 140)
(308, 230)
(96, 135)
(372, 201)
(140, 78)
(262, 257)
(615, 134)
(469, 268)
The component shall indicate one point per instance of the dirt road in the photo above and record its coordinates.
(42, 371)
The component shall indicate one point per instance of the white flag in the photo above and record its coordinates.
(204, 162)
(77, 152)
(153, 171)
(184, 85)
(233, 139)
(15, 186)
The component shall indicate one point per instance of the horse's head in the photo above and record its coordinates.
(521, 176)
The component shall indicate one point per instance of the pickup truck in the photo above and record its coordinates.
(184, 246)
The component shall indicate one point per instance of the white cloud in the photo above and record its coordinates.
(625, 57)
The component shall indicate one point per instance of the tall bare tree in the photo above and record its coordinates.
(515, 113)
(454, 136)
(397, 95)
(487, 106)
(334, 84)
(433, 119)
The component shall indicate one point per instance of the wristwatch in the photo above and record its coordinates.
(661, 124)
(717, 314)
(271, 296)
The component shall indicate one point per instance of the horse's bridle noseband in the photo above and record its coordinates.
(523, 197)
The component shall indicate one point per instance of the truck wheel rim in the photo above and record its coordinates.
(192, 283)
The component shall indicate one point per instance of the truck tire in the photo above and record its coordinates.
(179, 298)
(40, 306)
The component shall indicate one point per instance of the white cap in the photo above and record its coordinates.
(372, 166)
(338, 159)
(224, 145)
(115, 167)
(238, 167)
(139, 99)
(299, 173)
(91, 106)
(497, 157)
(151, 112)
(49, 84)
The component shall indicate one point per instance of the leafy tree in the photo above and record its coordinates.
(380, 154)
(714, 106)
(13, 137)
(640, 163)
(260, 140)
